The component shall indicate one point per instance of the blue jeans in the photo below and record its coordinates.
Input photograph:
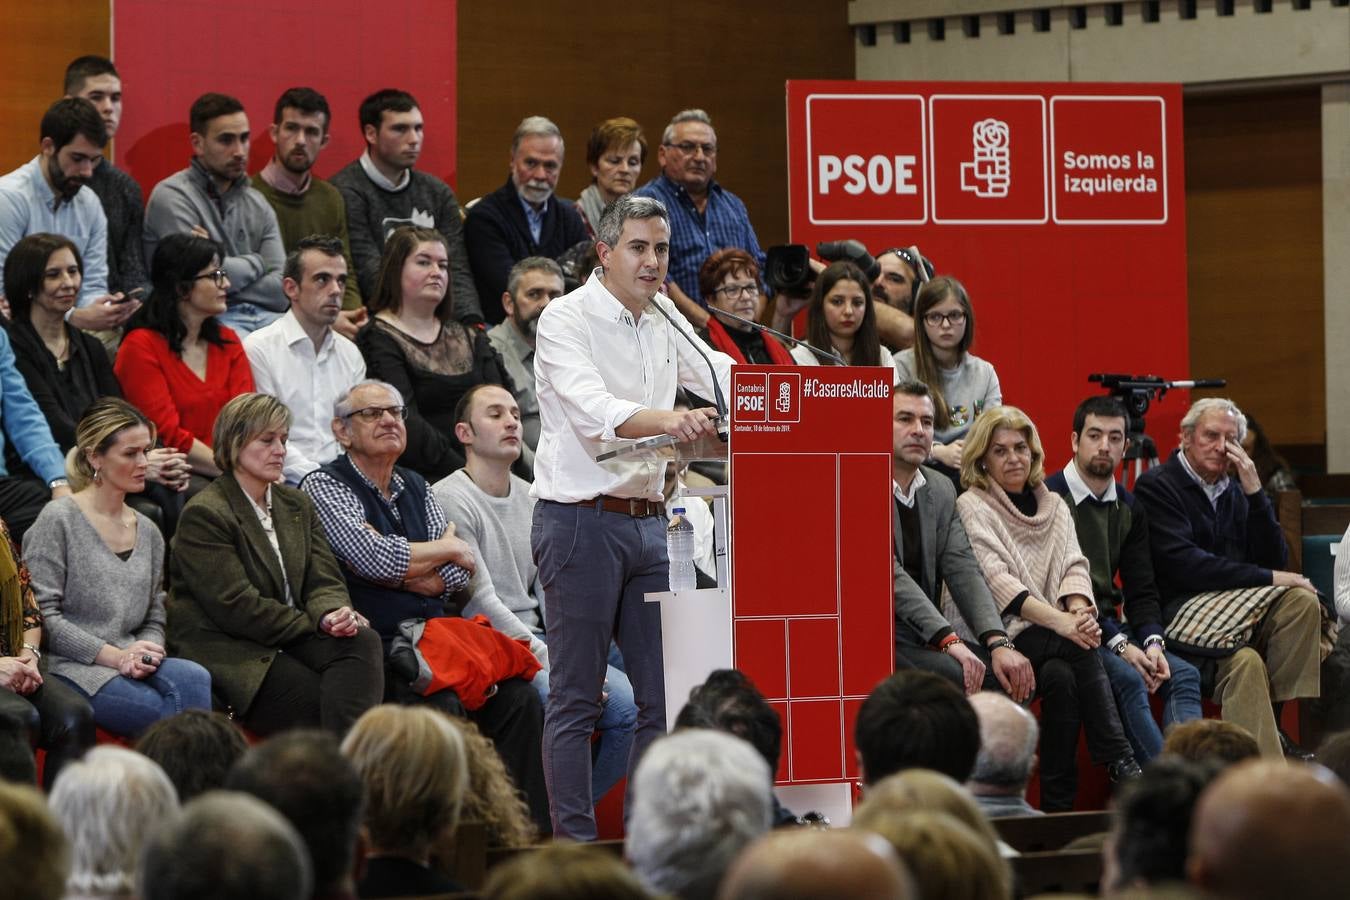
(126, 706)
(596, 568)
(618, 718)
(1180, 694)
(246, 318)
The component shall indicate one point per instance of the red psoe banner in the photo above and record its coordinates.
(1060, 207)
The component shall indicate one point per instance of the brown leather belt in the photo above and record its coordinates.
(625, 506)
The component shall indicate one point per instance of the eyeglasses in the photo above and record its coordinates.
(216, 275)
(936, 318)
(732, 291)
(689, 148)
(375, 413)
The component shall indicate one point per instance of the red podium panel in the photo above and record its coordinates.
(812, 611)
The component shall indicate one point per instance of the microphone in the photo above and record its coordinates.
(838, 360)
(718, 397)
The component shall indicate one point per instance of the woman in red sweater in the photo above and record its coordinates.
(177, 364)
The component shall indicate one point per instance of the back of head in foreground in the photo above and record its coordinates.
(805, 864)
(923, 790)
(948, 859)
(699, 797)
(31, 843)
(1149, 838)
(916, 720)
(1268, 828)
(1008, 740)
(226, 846)
(1201, 740)
(195, 748)
(564, 872)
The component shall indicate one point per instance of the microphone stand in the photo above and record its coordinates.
(719, 398)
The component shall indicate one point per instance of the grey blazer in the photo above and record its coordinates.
(946, 557)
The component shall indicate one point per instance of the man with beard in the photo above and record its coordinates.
(306, 205)
(46, 195)
(902, 271)
(533, 282)
(212, 198)
(522, 218)
(1113, 534)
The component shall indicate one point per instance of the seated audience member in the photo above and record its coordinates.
(841, 319)
(1151, 825)
(564, 872)
(615, 152)
(412, 762)
(1334, 753)
(304, 203)
(491, 511)
(698, 798)
(915, 719)
(17, 765)
(108, 805)
(403, 561)
(383, 192)
(1007, 757)
(1266, 829)
(65, 368)
(925, 790)
(729, 280)
(414, 344)
(1112, 532)
(1272, 469)
(301, 359)
(47, 195)
(727, 701)
(96, 79)
(97, 570)
(179, 363)
(1256, 632)
(32, 843)
(962, 384)
(534, 282)
(946, 857)
(931, 552)
(805, 864)
(54, 717)
(195, 748)
(258, 598)
(1023, 538)
(224, 846)
(522, 217)
(304, 776)
(212, 199)
(1205, 739)
(491, 797)
(22, 496)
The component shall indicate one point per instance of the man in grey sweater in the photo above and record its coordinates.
(213, 198)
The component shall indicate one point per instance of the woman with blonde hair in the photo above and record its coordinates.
(1025, 543)
(97, 571)
(924, 790)
(415, 768)
(946, 857)
(492, 798)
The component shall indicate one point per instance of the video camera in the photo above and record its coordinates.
(787, 267)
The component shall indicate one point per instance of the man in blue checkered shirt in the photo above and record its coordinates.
(704, 216)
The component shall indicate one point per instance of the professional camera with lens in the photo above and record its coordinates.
(787, 267)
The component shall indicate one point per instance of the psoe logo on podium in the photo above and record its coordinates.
(864, 159)
(784, 399)
(749, 391)
(987, 159)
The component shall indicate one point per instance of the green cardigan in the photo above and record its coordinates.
(227, 609)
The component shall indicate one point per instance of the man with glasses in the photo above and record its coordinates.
(301, 359)
(213, 198)
(522, 217)
(704, 216)
(402, 561)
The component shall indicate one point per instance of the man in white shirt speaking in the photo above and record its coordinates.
(607, 363)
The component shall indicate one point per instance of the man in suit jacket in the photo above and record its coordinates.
(931, 549)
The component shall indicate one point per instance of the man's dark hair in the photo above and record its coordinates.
(912, 387)
(1334, 753)
(916, 720)
(304, 776)
(377, 104)
(1103, 406)
(196, 748)
(82, 68)
(326, 244)
(72, 116)
(729, 702)
(211, 106)
(1153, 819)
(306, 100)
(464, 408)
(17, 765)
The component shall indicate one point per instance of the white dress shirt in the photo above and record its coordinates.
(596, 366)
(285, 365)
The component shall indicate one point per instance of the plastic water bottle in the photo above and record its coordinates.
(680, 549)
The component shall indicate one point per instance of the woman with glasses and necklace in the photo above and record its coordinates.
(415, 344)
(177, 363)
(841, 319)
(963, 385)
(729, 282)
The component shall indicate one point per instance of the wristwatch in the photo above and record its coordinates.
(37, 654)
(56, 483)
(1120, 648)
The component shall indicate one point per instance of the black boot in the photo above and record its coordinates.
(1123, 769)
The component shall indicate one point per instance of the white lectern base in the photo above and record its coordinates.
(695, 640)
